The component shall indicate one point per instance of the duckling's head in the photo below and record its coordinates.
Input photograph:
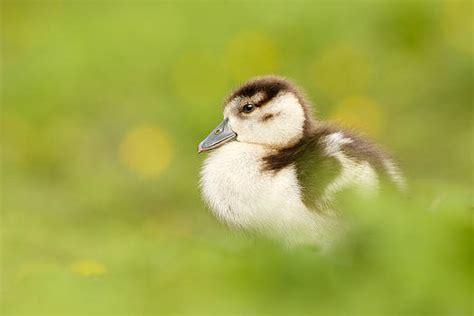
(268, 111)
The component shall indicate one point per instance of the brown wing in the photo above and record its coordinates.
(318, 167)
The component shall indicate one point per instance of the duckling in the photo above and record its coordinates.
(275, 169)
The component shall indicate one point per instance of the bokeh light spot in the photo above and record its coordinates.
(361, 113)
(458, 26)
(342, 71)
(250, 54)
(88, 268)
(146, 150)
(198, 80)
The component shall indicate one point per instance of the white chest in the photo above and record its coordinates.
(241, 194)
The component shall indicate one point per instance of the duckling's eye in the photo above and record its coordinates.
(249, 107)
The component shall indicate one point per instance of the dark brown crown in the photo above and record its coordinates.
(270, 86)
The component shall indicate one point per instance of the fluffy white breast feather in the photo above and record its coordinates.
(246, 197)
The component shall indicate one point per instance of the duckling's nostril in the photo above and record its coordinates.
(218, 131)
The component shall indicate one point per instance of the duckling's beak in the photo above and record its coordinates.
(219, 136)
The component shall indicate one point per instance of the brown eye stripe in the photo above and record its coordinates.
(269, 116)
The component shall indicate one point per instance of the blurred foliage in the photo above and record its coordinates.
(103, 104)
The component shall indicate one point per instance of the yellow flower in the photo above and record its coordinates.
(88, 268)
(146, 151)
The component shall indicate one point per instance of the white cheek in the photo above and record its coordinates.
(227, 112)
(237, 126)
(287, 125)
(248, 130)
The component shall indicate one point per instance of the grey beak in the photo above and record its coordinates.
(219, 136)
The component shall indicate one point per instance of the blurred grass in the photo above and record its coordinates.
(98, 221)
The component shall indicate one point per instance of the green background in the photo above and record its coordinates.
(104, 103)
